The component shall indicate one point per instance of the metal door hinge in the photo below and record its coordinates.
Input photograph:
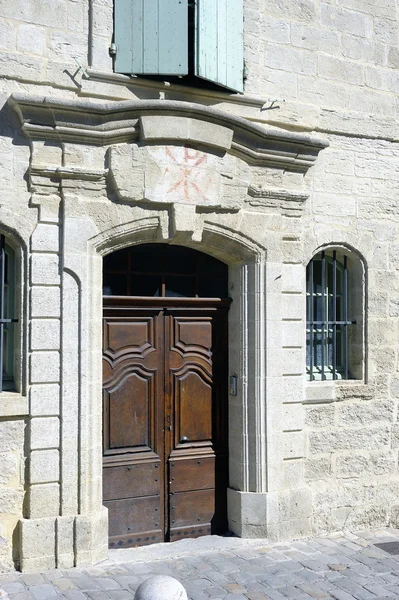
(112, 49)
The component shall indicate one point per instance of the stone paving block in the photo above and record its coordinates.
(43, 591)
(75, 595)
(314, 592)
(355, 589)
(21, 596)
(32, 579)
(274, 595)
(13, 587)
(98, 595)
(314, 565)
(64, 584)
(234, 588)
(377, 590)
(120, 594)
(126, 580)
(216, 592)
(85, 583)
(107, 583)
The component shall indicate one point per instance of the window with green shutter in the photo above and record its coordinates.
(203, 38)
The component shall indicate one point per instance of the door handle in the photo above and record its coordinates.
(184, 439)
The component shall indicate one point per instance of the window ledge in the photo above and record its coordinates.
(325, 392)
(13, 404)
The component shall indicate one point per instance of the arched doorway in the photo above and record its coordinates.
(165, 398)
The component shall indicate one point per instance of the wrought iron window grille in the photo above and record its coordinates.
(5, 321)
(327, 324)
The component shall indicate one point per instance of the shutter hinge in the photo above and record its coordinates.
(112, 49)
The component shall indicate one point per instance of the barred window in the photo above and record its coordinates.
(328, 322)
(7, 293)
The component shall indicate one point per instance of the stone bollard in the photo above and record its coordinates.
(160, 587)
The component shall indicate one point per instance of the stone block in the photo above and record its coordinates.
(293, 473)
(76, 16)
(365, 465)
(293, 361)
(293, 417)
(318, 468)
(44, 466)
(38, 539)
(9, 464)
(12, 435)
(44, 432)
(45, 238)
(293, 279)
(335, 68)
(363, 413)
(91, 537)
(31, 39)
(8, 35)
(286, 58)
(292, 444)
(45, 269)
(345, 21)
(45, 301)
(293, 306)
(44, 367)
(183, 128)
(274, 30)
(65, 542)
(292, 334)
(386, 31)
(44, 500)
(45, 334)
(295, 528)
(320, 416)
(363, 438)
(45, 399)
(300, 503)
(304, 11)
(247, 507)
(19, 66)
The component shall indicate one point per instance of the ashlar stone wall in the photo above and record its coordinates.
(305, 457)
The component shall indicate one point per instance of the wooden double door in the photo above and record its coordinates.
(165, 418)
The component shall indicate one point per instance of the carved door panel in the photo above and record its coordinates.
(133, 484)
(196, 443)
(165, 432)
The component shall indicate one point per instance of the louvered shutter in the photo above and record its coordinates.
(151, 37)
(219, 42)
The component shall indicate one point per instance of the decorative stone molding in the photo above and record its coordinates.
(289, 203)
(45, 177)
(95, 123)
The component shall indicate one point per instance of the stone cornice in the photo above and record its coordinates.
(103, 124)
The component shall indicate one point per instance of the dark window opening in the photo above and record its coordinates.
(163, 270)
(6, 315)
(327, 318)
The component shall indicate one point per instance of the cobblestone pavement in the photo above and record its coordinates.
(344, 567)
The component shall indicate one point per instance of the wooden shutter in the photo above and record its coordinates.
(151, 37)
(219, 42)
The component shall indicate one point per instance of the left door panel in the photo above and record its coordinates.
(133, 485)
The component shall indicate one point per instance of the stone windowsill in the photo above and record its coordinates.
(325, 392)
(13, 404)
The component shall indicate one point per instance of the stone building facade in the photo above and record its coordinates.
(305, 161)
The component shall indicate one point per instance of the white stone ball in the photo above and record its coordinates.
(160, 587)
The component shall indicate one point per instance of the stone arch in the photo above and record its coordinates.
(247, 262)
